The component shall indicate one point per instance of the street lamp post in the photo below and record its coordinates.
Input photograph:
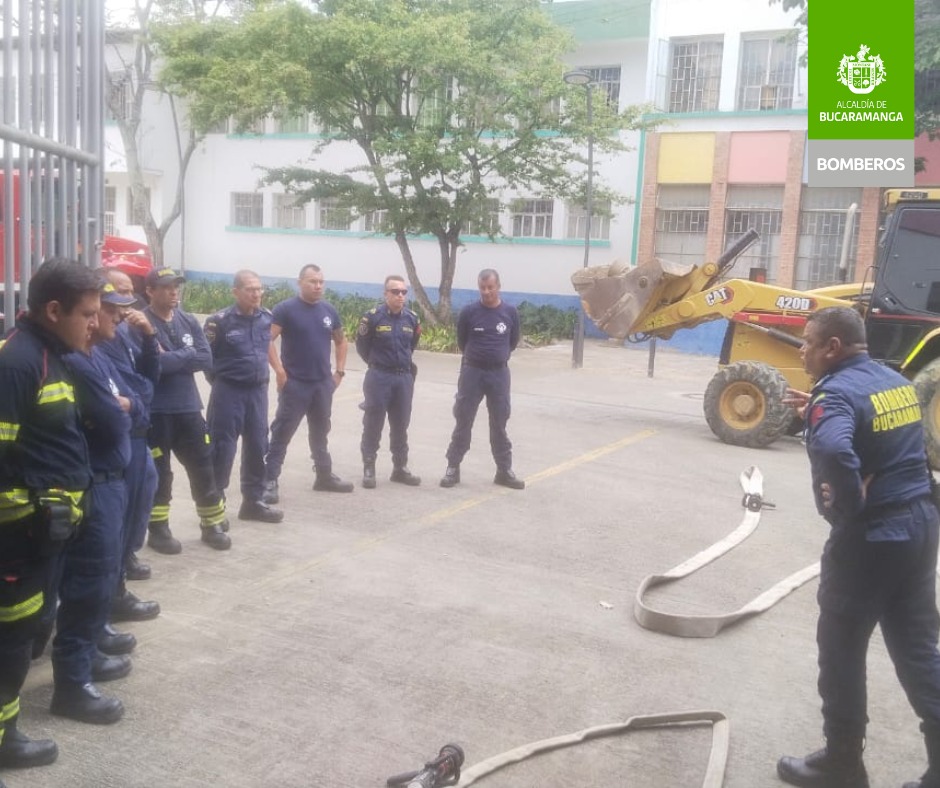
(585, 80)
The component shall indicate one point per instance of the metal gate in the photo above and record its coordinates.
(52, 128)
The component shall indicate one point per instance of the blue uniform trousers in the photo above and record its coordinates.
(472, 386)
(235, 411)
(297, 399)
(141, 477)
(889, 583)
(24, 578)
(391, 393)
(88, 576)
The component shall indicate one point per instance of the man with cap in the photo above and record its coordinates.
(176, 421)
(90, 566)
(240, 337)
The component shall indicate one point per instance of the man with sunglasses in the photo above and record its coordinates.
(386, 338)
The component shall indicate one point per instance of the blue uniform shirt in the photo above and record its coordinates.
(240, 345)
(306, 337)
(137, 361)
(863, 419)
(185, 352)
(488, 335)
(387, 340)
(107, 425)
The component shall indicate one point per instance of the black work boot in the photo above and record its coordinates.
(931, 778)
(401, 475)
(838, 765)
(271, 492)
(451, 476)
(259, 512)
(327, 481)
(215, 537)
(506, 478)
(161, 539)
(135, 570)
(85, 703)
(108, 668)
(127, 606)
(368, 474)
(18, 751)
(116, 643)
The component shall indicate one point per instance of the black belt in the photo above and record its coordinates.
(484, 364)
(140, 432)
(392, 370)
(102, 477)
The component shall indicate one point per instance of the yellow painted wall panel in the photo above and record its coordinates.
(686, 158)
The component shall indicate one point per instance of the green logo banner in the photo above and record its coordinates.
(861, 70)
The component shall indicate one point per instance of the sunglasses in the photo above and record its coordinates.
(398, 291)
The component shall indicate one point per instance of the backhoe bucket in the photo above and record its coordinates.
(616, 297)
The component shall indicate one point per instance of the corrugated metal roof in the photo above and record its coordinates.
(603, 20)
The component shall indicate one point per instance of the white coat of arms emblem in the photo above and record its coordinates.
(861, 73)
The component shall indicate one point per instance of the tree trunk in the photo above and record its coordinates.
(447, 243)
(421, 295)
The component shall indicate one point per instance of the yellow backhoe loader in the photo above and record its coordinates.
(900, 300)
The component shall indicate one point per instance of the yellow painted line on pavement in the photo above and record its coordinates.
(441, 515)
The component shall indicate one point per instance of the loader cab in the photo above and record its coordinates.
(903, 319)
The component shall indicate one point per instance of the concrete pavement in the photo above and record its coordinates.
(353, 640)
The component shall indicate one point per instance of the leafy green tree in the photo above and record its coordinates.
(450, 103)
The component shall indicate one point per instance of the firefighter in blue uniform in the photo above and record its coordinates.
(176, 421)
(44, 471)
(487, 333)
(386, 338)
(871, 482)
(91, 564)
(135, 355)
(240, 337)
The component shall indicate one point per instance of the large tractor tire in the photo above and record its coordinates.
(744, 404)
(927, 386)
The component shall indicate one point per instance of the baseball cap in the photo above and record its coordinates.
(111, 296)
(164, 276)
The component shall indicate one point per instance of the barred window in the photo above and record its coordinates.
(110, 208)
(681, 223)
(532, 219)
(607, 78)
(488, 223)
(372, 222)
(330, 216)
(247, 209)
(288, 213)
(600, 220)
(823, 214)
(695, 74)
(760, 208)
(768, 68)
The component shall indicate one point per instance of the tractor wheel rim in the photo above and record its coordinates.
(742, 405)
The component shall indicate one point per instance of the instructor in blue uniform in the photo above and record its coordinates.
(865, 441)
(44, 472)
(386, 338)
(487, 333)
(309, 328)
(240, 337)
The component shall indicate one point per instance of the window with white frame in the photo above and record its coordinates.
(247, 209)
(432, 101)
(600, 220)
(694, 74)
(760, 208)
(110, 208)
(372, 222)
(329, 215)
(681, 226)
(823, 214)
(487, 223)
(137, 212)
(532, 219)
(607, 78)
(767, 72)
(288, 213)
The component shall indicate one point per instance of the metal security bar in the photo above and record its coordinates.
(52, 129)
